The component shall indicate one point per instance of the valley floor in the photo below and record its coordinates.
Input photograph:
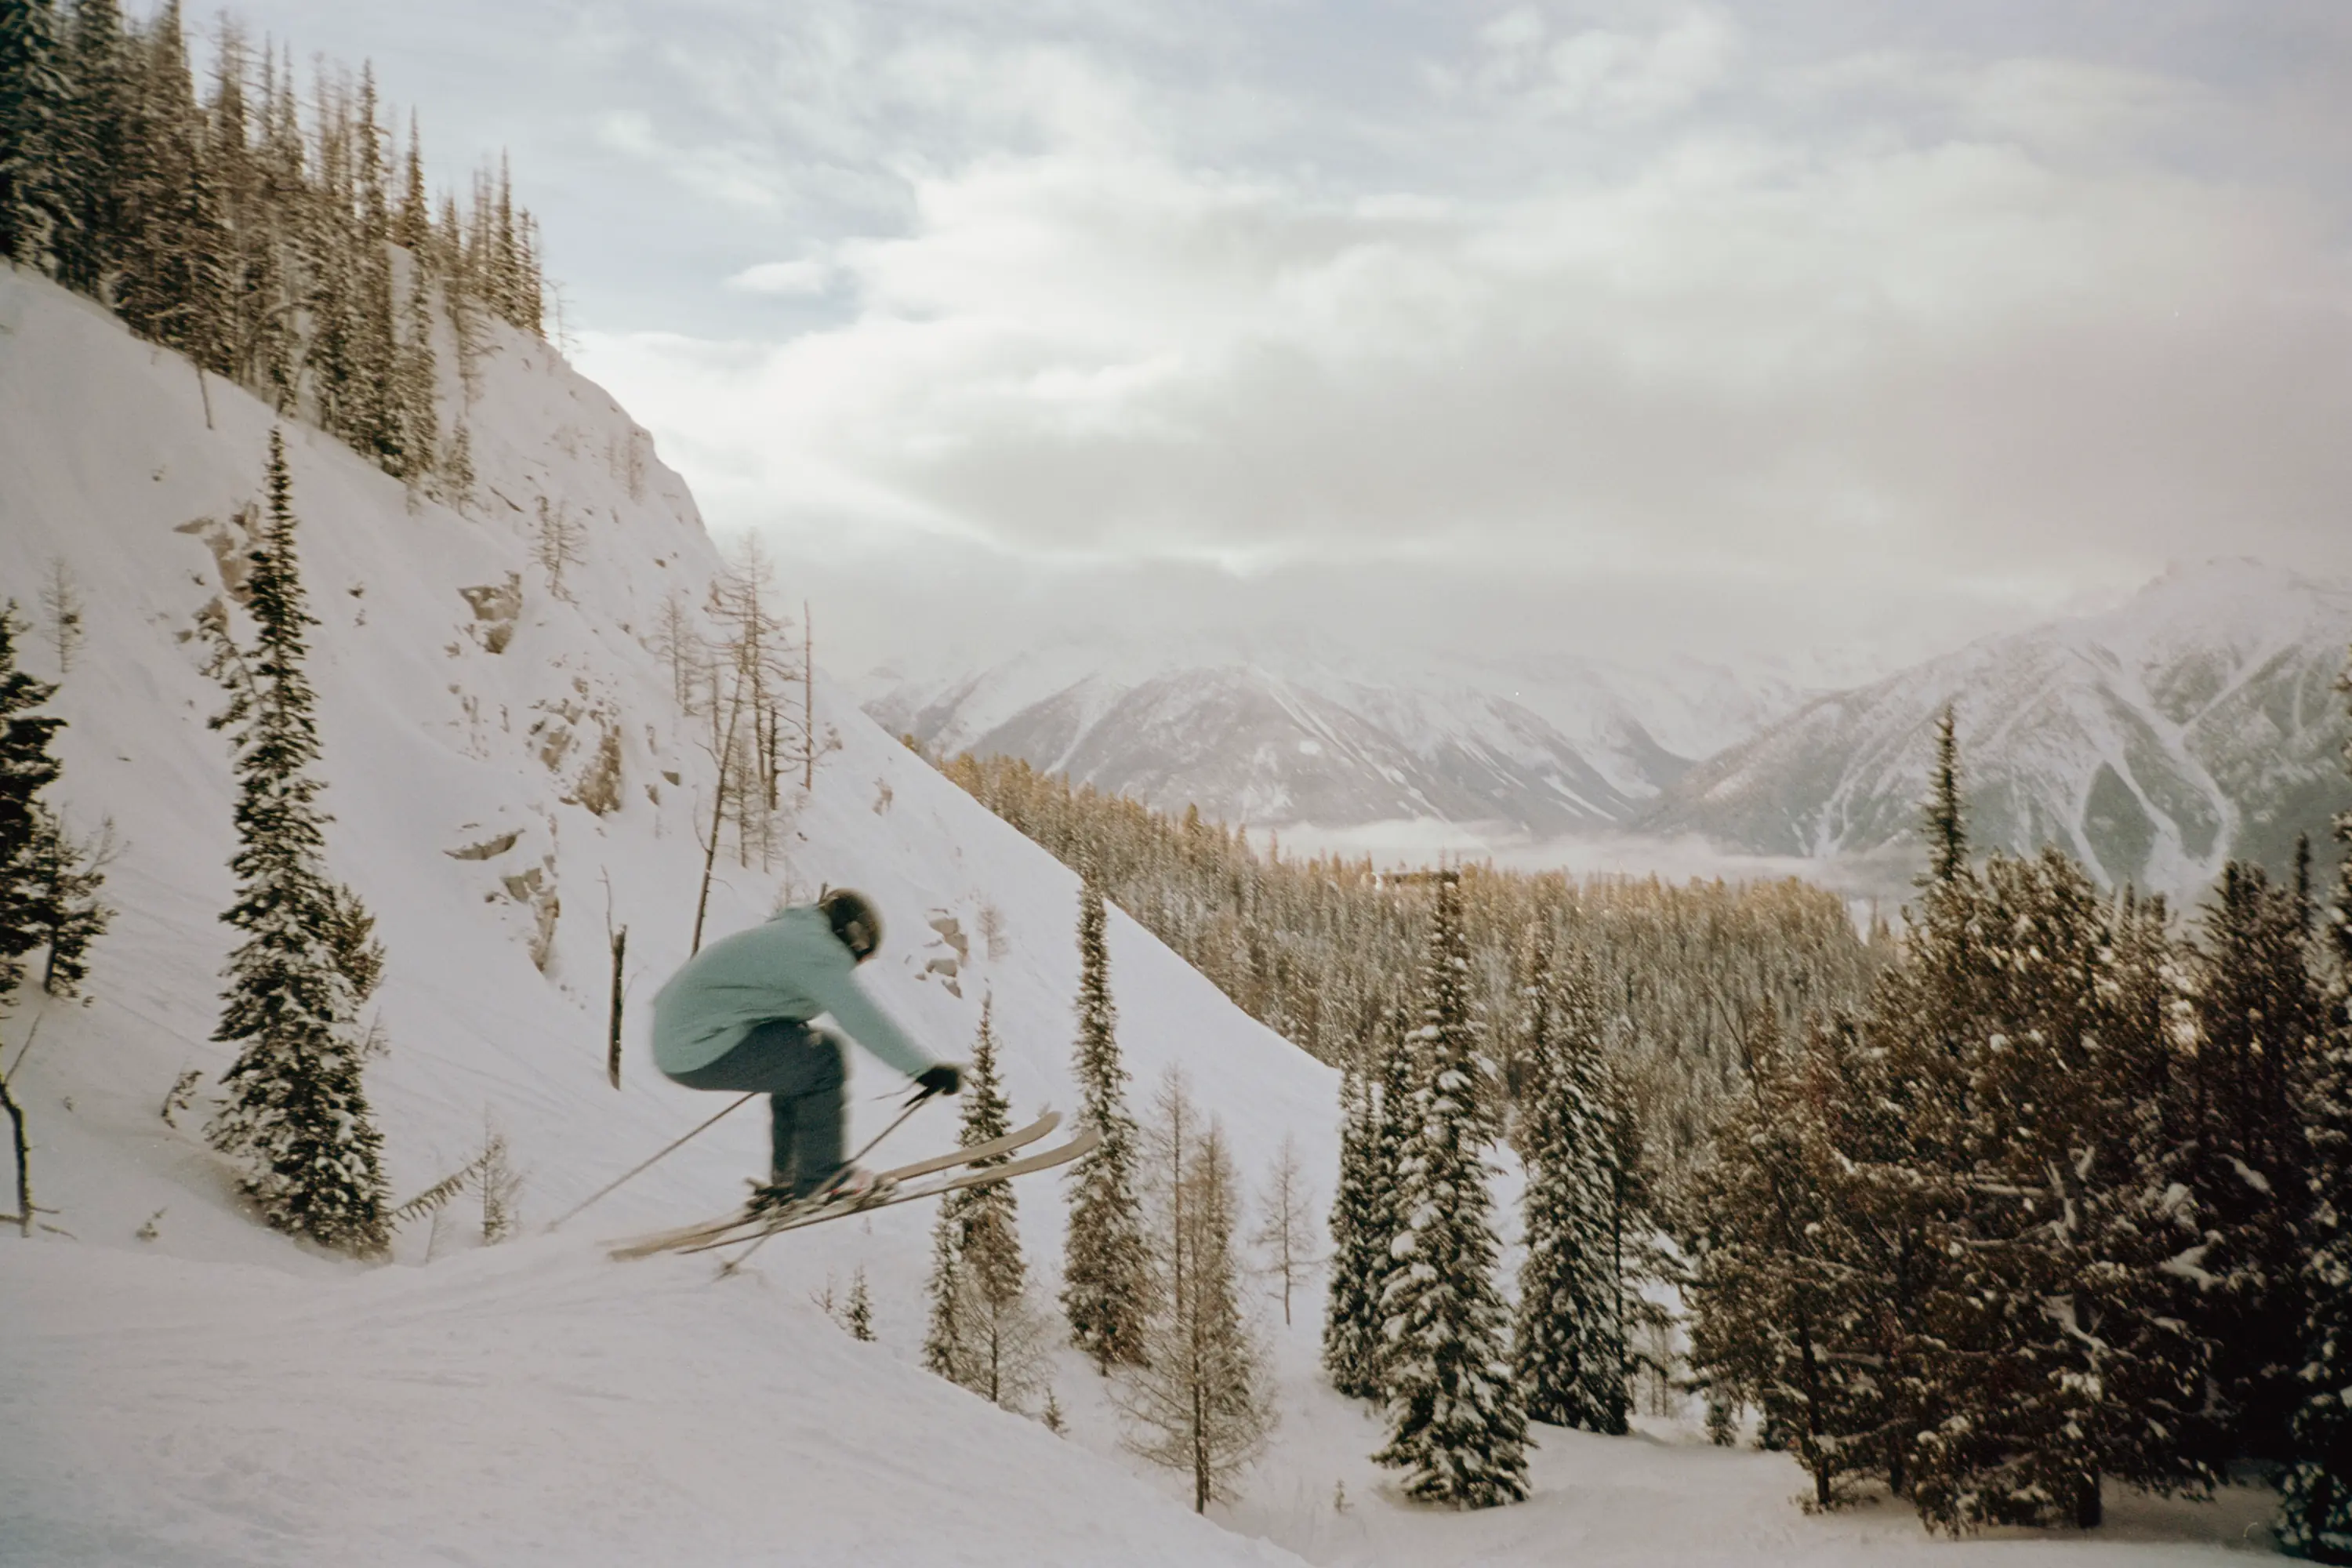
(538, 1403)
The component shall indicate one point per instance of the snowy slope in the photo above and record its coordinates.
(456, 777)
(2195, 722)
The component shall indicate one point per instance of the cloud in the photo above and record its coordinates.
(809, 275)
(1945, 352)
(1864, 322)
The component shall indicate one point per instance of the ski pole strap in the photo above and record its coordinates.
(635, 1171)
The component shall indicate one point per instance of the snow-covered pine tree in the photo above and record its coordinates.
(65, 876)
(1359, 1237)
(1403, 1064)
(1569, 1345)
(297, 1122)
(2315, 1504)
(984, 1332)
(857, 1312)
(28, 766)
(1456, 1424)
(414, 413)
(1200, 1400)
(1104, 1284)
(175, 288)
(2259, 1020)
(1768, 1319)
(2315, 1507)
(92, 149)
(2065, 1357)
(36, 206)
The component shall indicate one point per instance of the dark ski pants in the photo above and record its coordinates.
(801, 1071)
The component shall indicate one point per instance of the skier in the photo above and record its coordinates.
(737, 1017)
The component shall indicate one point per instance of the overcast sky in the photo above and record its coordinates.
(1830, 323)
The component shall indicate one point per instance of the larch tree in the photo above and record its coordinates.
(1570, 1344)
(1457, 1428)
(1200, 1400)
(1104, 1283)
(296, 1123)
(1287, 1224)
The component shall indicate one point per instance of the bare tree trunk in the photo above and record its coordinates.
(612, 1025)
(718, 814)
(24, 1216)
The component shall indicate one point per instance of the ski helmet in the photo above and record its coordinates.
(855, 921)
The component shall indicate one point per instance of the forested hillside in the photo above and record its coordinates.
(308, 263)
(1324, 951)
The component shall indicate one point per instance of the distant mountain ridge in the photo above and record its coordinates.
(2197, 721)
(1296, 731)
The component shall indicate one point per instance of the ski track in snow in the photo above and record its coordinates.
(216, 1395)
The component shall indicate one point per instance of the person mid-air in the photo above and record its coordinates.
(738, 1016)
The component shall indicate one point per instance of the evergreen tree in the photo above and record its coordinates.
(412, 415)
(2315, 1511)
(1570, 1344)
(2261, 1019)
(1456, 1425)
(36, 207)
(28, 766)
(1948, 839)
(297, 1122)
(97, 62)
(1397, 1120)
(983, 1332)
(858, 1312)
(1770, 1321)
(174, 284)
(65, 913)
(2065, 1356)
(1359, 1238)
(1103, 1270)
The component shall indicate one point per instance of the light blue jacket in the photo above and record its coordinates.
(792, 967)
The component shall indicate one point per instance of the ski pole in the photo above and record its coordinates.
(607, 1188)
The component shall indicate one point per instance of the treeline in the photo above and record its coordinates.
(306, 262)
(1324, 951)
(2063, 1202)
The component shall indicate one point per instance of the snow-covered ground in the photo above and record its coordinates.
(183, 1387)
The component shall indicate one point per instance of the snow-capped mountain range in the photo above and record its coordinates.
(2197, 722)
(1296, 730)
(2194, 722)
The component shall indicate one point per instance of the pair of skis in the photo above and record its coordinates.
(957, 1169)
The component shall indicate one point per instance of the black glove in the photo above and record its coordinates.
(945, 1078)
